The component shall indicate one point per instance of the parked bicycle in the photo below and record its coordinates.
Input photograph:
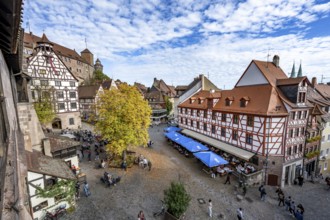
(59, 212)
(160, 212)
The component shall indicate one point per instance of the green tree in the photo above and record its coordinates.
(99, 76)
(169, 105)
(123, 118)
(176, 199)
(44, 107)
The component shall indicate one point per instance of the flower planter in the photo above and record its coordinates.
(169, 216)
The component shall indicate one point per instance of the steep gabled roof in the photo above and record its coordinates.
(30, 40)
(106, 84)
(39, 163)
(290, 81)
(324, 89)
(88, 92)
(270, 71)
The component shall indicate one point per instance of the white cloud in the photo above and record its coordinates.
(177, 40)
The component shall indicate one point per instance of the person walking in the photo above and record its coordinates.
(149, 165)
(244, 189)
(287, 203)
(292, 208)
(89, 155)
(263, 194)
(301, 180)
(86, 189)
(228, 179)
(97, 154)
(281, 199)
(210, 208)
(239, 213)
(141, 216)
(77, 187)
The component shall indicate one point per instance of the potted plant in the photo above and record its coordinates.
(176, 200)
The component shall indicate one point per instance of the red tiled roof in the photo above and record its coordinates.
(85, 92)
(290, 81)
(324, 89)
(270, 71)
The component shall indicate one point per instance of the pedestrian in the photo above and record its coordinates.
(97, 154)
(141, 216)
(86, 189)
(124, 165)
(301, 180)
(263, 194)
(287, 203)
(292, 208)
(244, 189)
(210, 208)
(300, 208)
(82, 152)
(278, 191)
(149, 165)
(281, 199)
(239, 213)
(228, 178)
(77, 187)
(89, 155)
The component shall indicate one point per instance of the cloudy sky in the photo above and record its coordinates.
(138, 40)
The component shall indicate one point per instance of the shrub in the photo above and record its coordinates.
(176, 199)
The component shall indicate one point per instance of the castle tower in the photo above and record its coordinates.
(98, 65)
(88, 56)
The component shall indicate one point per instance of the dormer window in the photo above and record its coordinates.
(192, 100)
(199, 101)
(301, 97)
(244, 101)
(228, 101)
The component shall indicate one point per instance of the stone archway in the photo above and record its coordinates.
(57, 124)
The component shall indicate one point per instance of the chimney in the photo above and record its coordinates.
(46, 146)
(314, 82)
(276, 60)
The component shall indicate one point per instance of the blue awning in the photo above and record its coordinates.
(210, 159)
(182, 140)
(177, 138)
(171, 129)
(194, 146)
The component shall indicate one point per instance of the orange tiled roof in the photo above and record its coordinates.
(290, 81)
(270, 71)
(264, 100)
(324, 89)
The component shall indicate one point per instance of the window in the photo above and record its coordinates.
(301, 96)
(185, 111)
(205, 114)
(223, 117)
(323, 138)
(73, 105)
(213, 116)
(60, 95)
(50, 182)
(305, 115)
(299, 115)
(72, 94)
(189, 122)
(33, 95)
(45, 95)
(295, 149)
(227, 102)
(71, 120)
(242, 103)
(300, 148)
(235, 134)
(302, 131)
(249, 138)
(42, 71)
(44, 82)
(72, 84)
(186, 121)
(288, 152)
(235, 119)
(223, 132)
(61, 106)
(213, 129)
(57, 83)
(198, 125)
(205, 127)
(40, 206)
(250, 120)
(325, 165)
(291, 133)
(199, 101)
(181, 120)
(296, 132)
(292, 115)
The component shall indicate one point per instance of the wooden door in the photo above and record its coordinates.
(272, 180)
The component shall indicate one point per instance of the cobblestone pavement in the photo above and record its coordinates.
(143, 190)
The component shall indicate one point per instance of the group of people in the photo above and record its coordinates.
(144, 162)
(295, 210)
(86, 189)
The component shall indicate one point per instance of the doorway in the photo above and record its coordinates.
(57, 124)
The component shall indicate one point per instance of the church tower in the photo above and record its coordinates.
(98, 65)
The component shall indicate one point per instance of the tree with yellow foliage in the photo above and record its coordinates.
(123, 118)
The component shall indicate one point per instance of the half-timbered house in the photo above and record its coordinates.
(261, 120)
(45, 172)
(51, 78)
(88, 96)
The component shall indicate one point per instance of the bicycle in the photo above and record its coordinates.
(59, 212)
(160, 212)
